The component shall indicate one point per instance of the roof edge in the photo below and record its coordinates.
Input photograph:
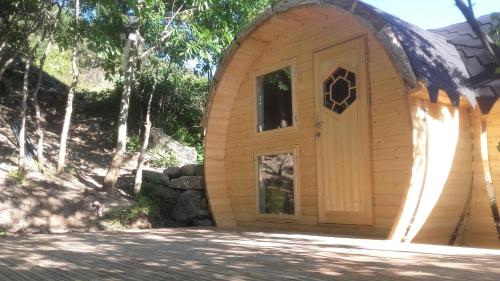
(366, 13)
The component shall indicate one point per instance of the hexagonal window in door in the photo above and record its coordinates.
(339, 90)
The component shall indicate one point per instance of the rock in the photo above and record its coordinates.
(192, 170)
(165, 145)
(168, 194)
(148, 189)
(172, 172)
(165, 179)
(203, 214)
(188, 182)
(126, 183)
(150, 176)
(203, 222)
(204, 203)
(187, 206)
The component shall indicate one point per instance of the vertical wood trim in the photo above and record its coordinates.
(459, 231)
(490, 188)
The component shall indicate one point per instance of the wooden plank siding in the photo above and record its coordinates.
(391, 140)
(292, 38)
(479, 229)
(448, 210)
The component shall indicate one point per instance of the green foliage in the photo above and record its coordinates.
(178, 103)
(18, 176)
(165, 160)
(23, 21)
(145, 207)
(133, 143)
(213, 28)
(92, 76)
(4, 234)
(200, 32)
(58, 64)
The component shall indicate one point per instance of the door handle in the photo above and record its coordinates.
(318, 124)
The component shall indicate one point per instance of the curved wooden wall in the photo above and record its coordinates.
(479, 228)
(441, 174)
(231, 139)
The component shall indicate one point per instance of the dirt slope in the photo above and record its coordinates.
(50, 203)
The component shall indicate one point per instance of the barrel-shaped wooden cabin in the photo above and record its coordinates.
(333, 116)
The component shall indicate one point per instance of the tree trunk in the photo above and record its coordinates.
(488, 43)
(121, 141)
(2, 46)
(38, 115)
(69, 105)
(22, 131)
(145, 142)
(7, 64)
(69, 110)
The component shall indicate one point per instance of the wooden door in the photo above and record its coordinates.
(343, 139)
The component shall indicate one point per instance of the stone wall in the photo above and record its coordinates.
(182, 194)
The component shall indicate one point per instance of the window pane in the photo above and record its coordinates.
(274, 100)
(276, 184)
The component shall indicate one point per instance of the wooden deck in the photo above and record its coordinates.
(208, 254)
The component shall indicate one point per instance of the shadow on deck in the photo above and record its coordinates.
(212, 254)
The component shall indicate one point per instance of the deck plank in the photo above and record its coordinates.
(211, 254)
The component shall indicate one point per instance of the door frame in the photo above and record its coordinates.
(318, 104)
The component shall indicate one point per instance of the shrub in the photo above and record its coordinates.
(144, 207)
(165, 160)
(18, 176)
(133, 143)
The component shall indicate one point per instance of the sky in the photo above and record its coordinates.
(432, 13)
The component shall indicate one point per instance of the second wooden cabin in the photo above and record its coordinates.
(333, 116)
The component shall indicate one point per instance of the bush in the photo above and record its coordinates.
(144, 207)
(177, 107)
(18, 176)
(163, 161)
(133, 143)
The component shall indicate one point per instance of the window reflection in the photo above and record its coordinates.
(276, 184)
(274, 100)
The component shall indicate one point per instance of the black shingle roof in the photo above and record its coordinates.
(434, 60)
(479, 63)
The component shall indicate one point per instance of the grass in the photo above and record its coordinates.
(144, 207)
(58, 65)
(133, 143)
(18, 176)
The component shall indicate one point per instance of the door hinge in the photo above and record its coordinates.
(366, 59)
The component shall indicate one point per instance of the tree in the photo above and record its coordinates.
(145, 141)
(69, 104)
(38, 116)
(214, 28)
(31, 24)
(22, 131)
(132, 58)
